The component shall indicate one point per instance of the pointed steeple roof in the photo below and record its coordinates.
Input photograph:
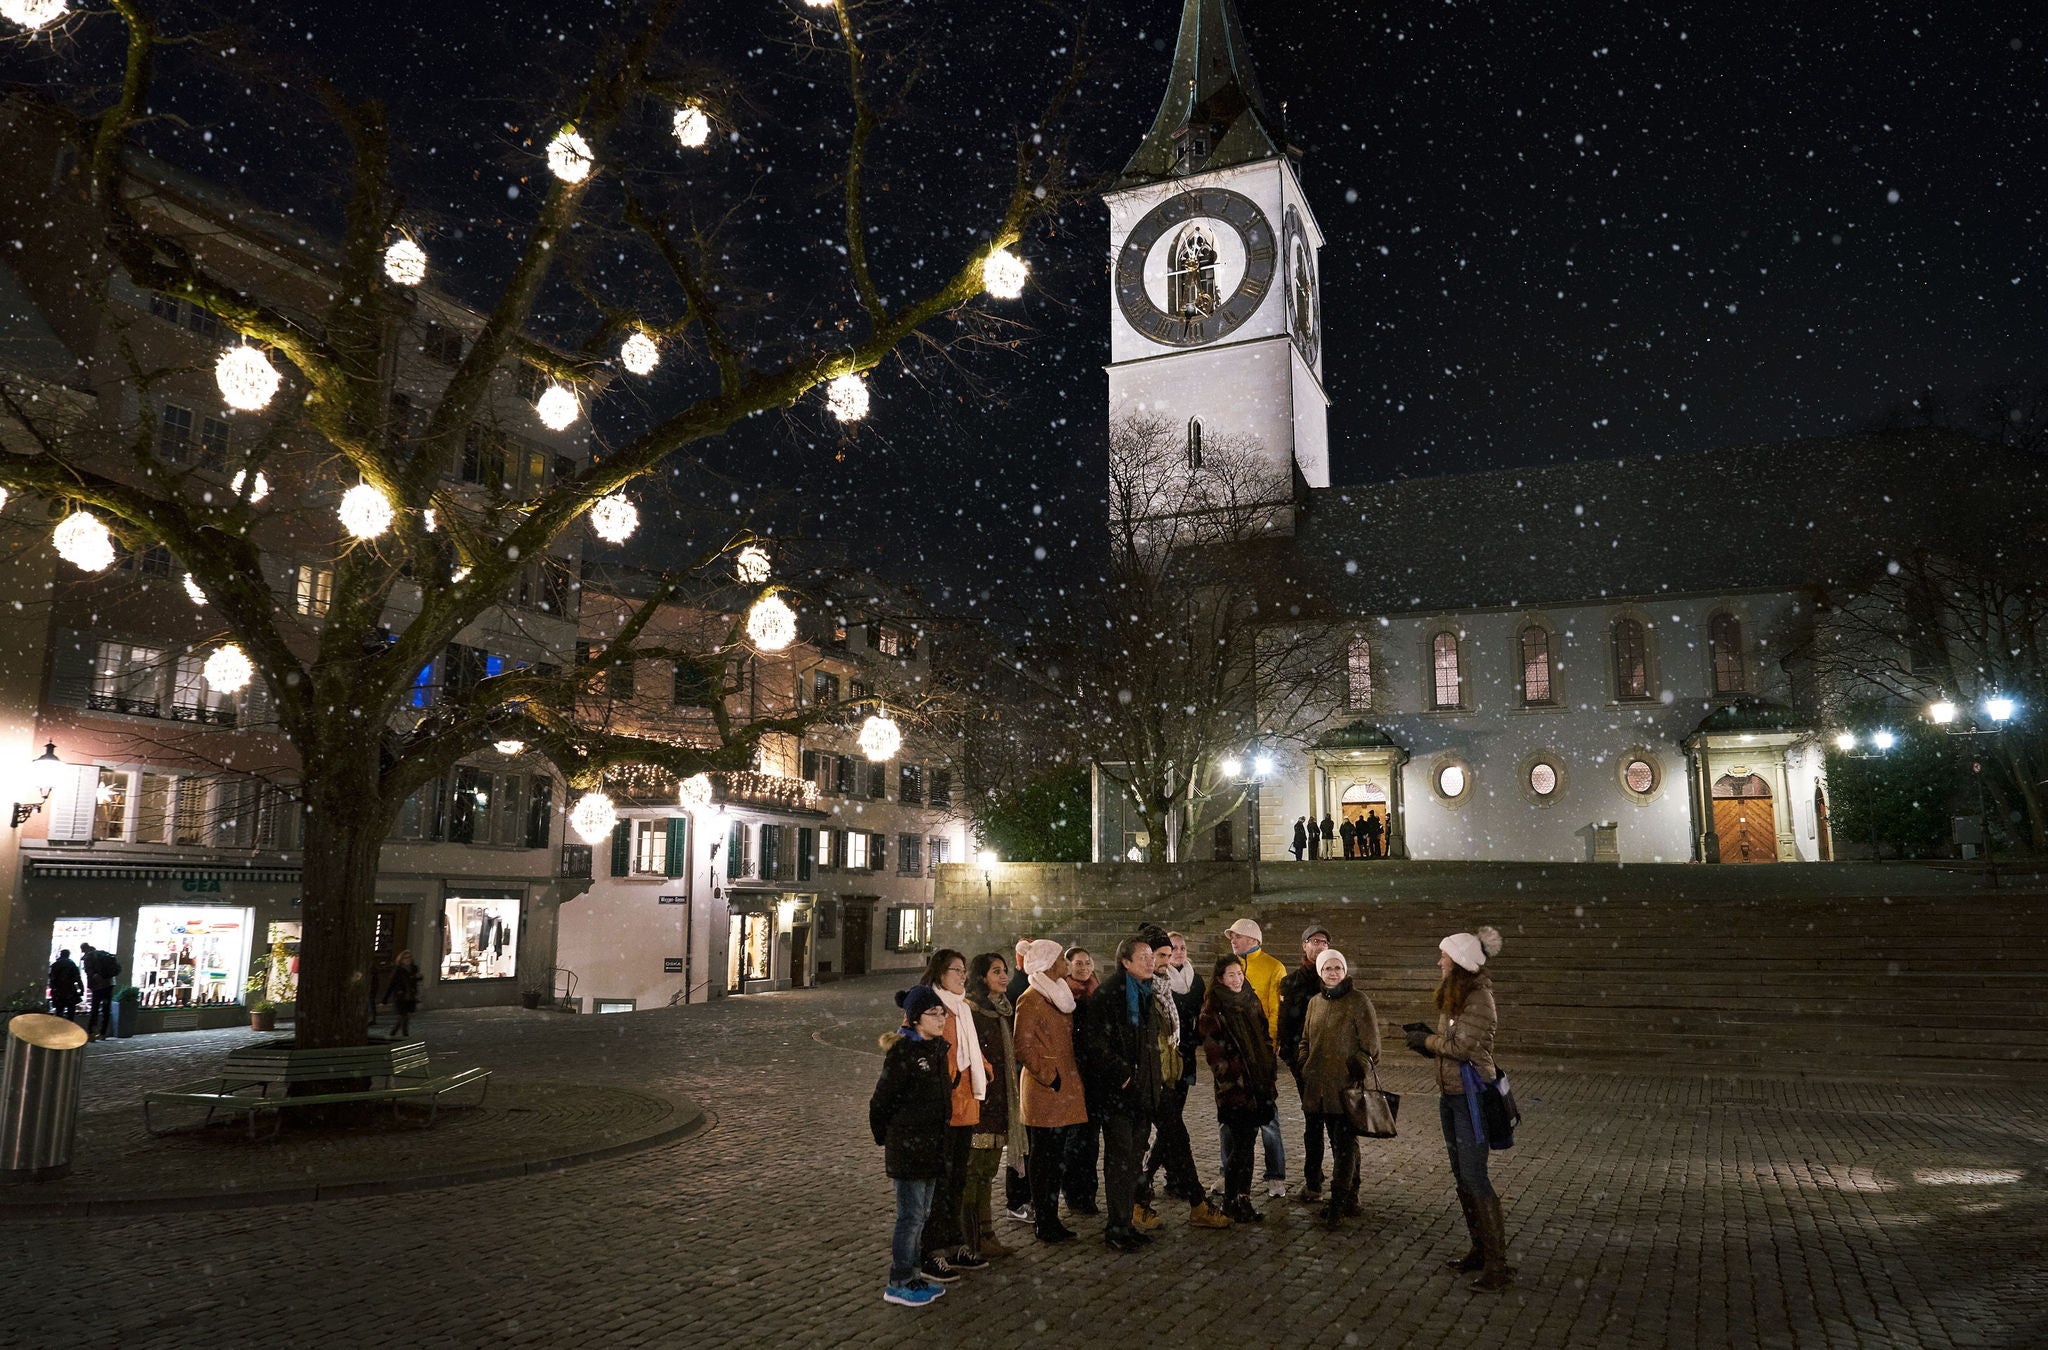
(1213, 115)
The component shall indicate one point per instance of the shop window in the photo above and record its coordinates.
(68, 935)
(750, 953)
(190, 956)
(479, 937)
(275, 973)
(908, 928)
(1536, 667)
(909, 855)
(1447, 678)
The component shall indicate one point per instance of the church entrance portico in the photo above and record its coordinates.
(1743, 761)
(1355, 773)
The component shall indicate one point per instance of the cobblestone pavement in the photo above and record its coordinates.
(1643, 1211)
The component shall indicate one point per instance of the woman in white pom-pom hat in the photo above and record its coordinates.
(1466, 1018)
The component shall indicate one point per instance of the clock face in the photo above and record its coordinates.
(1304, 301)
(1196, 267)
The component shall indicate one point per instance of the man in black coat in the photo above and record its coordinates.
(1177, 981)
(1300, 844)
(1295, 992)
(1329, 836)
(1349, 833)
(1373, 831)
(66, 985)
(100, 969)
(1120, 1070)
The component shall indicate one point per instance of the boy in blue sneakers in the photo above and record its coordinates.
(908, 1116)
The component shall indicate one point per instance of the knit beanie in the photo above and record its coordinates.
(1332, 957)
(1040, 957)
(916, 1001)
(1470, 950)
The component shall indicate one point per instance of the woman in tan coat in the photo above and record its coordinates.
(1339, 1038)
(1049, 1077)
(1466, 1018)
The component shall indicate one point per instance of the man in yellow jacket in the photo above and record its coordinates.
(1262, 975)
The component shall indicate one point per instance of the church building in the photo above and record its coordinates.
(1590, 661)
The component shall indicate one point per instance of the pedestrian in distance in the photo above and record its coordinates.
(1340, 1039)
(1315, 841)
(1300, 836)
(402, 991)
(1264, 974)
(1177, 997)
(908, 1114)
(945, 1244)
(1466, 1021)
(1052, 1101)
(988, 981)
(1120, 1062)
(1084, 1144)
(1349, 833)
(100, 969)
(1295, 992)
(66, 985)
(1375, 835)
(1232, 1025)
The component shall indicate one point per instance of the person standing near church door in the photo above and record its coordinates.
(1329, 836)
(1374, 835)
(1315, 841)
(1350, 836)
(1300, 836)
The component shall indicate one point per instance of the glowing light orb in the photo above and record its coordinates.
(771, 623)
(83, 541)
(508, 747)
(557, 408)
(880, 738)
(614, 518)
(365, 511)
(1003, 273)
(433, 523)
(569, 157)
(820, 4)
(406, 263)
(256, 493)
(192, 589)
(639, 354)
(847, 397)
(693, 128)
(593, 817)
(3, 498)
(694, 792)
(31, 14)
(751, 566)
(228, 670)
(246, 378)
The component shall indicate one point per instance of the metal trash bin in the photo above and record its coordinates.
(39, 1096)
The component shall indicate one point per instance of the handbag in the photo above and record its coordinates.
(1498, 1113)
(1371, 1110)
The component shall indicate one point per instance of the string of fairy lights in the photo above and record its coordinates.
(248, 382)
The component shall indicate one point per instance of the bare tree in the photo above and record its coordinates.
(340, 687)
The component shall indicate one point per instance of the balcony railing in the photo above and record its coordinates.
(765, 789)
(149, 707)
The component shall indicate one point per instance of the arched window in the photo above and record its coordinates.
(1536, 665)
(1724, 639)
(1631, 659)
(1194, 442)
(1358, 676)
(1191, 285)
(1447, 682)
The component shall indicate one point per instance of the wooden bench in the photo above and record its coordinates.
(245, 1088)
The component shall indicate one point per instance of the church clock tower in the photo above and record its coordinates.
(1216, 320)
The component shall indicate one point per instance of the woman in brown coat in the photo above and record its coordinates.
(1053, 1104)
(1466, 1018)
(1339, 1038)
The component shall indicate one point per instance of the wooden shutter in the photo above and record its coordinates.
(806, 840)
(71, 668)
(677, 862)
(878, 849)
(71, 805)
(540, 811)
(771, 838)
(622, 848)
(735, 852)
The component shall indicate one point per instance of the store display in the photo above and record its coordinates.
(191, 956)
(480, 938)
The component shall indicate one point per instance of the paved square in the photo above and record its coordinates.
(1643, 1211)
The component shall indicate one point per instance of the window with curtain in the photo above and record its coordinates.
(1724, 639)
(1358, 676)
(1447, 680)
(1631, 659)
(1535, 665)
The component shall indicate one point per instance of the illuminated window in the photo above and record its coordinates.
(1444, 667)
(1358, 676)
(1451, 781)
(1535, 666)
(1639, 776)
(313, 590)
(1542, 779)
(1631, 659)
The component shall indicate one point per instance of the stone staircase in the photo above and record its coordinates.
(1838, 971)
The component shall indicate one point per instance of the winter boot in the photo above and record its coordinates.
(1493, 1240)
(989, 1244)
(1238, 1209)
(1476, 1257)
(1206, 1215)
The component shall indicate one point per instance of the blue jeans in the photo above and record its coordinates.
(1468, 1151)
(906, 1249)
(1276, 1155)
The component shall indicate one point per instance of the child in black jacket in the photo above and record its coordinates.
(908, 1116)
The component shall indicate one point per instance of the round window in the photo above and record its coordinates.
(1450, 780)
(1542, 779)
(1640, 775)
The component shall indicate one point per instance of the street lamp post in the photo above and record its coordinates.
(1247, 774)
(1880, 741)
(1997, 710)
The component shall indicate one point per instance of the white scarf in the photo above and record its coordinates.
(1181, 978)
(966, 1041)
(1056, 992)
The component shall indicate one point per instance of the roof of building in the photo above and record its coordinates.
(1212, 86)
(1760, 517)
(28, 344)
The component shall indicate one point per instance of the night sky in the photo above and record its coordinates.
(1555, 230)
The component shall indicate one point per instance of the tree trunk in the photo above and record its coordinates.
(345, 829)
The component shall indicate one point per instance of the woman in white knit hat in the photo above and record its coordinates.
(1466, 1018)
(1340, 1040)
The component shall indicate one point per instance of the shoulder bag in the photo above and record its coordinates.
(1370, 1110)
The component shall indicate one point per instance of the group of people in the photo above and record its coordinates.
(71, 981)
(1047, 1066)
(1365, 837)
